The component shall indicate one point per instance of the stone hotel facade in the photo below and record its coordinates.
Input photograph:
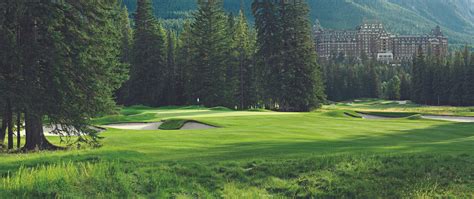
(372, 39)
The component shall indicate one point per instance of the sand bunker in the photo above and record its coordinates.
(135, 126)
(47, 130)
(374, 117)
(449, 118)
(156, 125)
(433, 117)
(196, 125)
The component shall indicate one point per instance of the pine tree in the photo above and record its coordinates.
(209, 50)
(269, 49)
(457, 80)
(427, 81)
(418, 68)
(245, 88)
(393, 88)
(172, 81)
(468, 85)
(374, 81)
(232, 67)
(148, 72)
(301, 75)
(70, 67)
(437, 83)
(185, 70)
(126, 35)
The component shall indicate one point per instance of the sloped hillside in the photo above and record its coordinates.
(456, 17)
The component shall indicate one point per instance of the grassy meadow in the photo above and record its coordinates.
(258, 154)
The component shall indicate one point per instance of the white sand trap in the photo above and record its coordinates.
(47, 130)
(195, 126)
(135, 126)
(402, 102)
(374, 117)
(449, 118)
(433, 117)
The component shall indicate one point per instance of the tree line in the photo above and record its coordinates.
(218, 60)
(429, 79)
(348, 78)
(444, 80)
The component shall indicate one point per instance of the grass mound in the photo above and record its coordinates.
(115, 119)
(352, 114)
(343, 113)
(220, 108)
(259, 110)
(173, 124)
(139, 107)
(390, 114)
(128, 111)
(415, 117)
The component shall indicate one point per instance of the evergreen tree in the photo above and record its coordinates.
(457, 80)
(126, 35)
(393, 88)
(269, 49)
(209, 50)
(184, 68)
(293, 78)
(417, 71)
(427, 81)
(148, 74)
(70, 66)
(247, 91)
(374, 82)
(437, 84)
(405, 86)
(172, 81)
(469, 83)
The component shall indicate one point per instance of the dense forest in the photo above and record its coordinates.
(400, 16)
(218, 60)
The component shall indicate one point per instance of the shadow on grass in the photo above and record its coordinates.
(446, 138)
(452, 138)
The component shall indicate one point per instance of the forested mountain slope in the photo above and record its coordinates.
(456, 17)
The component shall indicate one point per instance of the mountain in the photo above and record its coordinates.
(456, 17)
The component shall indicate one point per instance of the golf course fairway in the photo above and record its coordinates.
(255, 154)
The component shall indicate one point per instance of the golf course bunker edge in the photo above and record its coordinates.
(460, 119)
(164, 125)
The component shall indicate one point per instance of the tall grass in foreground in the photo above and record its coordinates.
(66, 180)
(317, 177)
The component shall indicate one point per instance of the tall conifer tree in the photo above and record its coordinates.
(209, 54)
(148, 74)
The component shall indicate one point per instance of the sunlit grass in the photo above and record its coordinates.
(255, 154)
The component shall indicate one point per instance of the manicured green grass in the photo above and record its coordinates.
(255, 155)
(173, 124)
